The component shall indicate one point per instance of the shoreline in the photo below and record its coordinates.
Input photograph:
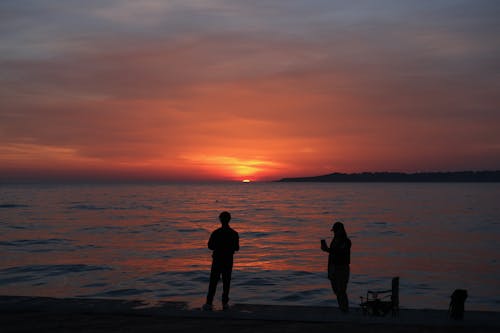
(23, 314)
(492, 176)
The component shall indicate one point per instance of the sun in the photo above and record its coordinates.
(246, 181)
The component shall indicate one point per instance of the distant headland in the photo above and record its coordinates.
(395, 177)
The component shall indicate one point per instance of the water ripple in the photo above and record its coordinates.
(13, 206)
(34, 242)
(87, 207)
(37, 272)
(121, 293)
(95, 207)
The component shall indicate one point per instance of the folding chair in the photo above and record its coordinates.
(380, 302)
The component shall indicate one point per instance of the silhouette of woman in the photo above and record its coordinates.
(339, 259)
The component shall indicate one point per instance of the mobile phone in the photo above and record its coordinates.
(323, 243)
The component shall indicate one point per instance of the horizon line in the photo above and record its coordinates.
(138, 180)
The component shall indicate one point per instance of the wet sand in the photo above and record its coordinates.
(29, 314)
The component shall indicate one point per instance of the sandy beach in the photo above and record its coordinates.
(28, 314)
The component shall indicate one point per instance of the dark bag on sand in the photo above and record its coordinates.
(458, 298)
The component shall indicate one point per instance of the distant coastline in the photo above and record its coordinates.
(400, 177)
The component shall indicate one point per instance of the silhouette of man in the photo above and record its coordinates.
(223, 242)
(339, 258)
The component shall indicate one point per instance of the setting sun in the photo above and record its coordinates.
(246, 180)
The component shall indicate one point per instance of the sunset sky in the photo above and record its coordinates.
(236, 89)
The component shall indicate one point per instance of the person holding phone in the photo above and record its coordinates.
(339, 259)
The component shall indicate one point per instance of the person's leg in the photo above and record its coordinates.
(343, 301)
(343, 279)
(226, 282)
(339, 286)
(214, 279)
(334, 286)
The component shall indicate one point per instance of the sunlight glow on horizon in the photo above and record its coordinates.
(233, 167)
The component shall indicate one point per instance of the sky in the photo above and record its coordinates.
(234, 89)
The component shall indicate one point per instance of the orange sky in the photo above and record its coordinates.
(217, 90)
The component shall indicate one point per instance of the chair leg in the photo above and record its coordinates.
(395, 311)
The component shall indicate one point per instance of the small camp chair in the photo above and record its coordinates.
(380, 302)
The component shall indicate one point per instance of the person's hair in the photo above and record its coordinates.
(339, 230)
(225, 217)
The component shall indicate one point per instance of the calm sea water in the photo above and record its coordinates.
(149, 241)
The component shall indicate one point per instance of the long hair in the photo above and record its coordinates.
(339, 231)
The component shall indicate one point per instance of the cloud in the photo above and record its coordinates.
(302, 85)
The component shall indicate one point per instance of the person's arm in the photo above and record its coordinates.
(211, 242)
(324, 247)
(237, 243)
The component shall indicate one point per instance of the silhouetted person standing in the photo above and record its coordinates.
(223, 242)
(339, 259)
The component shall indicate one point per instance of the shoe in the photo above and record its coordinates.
(225, 306)
(207, 307)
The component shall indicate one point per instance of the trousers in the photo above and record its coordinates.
(220, 268)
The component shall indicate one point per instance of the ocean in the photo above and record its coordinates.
(149, 241)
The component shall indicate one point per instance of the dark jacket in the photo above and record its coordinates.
(339, 253)
(224, 242)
